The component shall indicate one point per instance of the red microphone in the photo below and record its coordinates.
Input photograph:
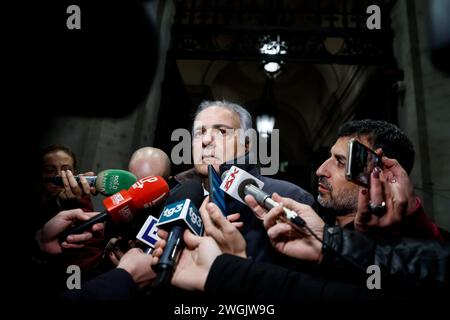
(148, 191)
(122, 206)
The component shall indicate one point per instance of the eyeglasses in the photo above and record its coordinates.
(217, 133)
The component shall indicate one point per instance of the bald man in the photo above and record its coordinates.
(149, 161)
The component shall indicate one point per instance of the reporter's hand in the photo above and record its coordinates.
(72, 190)
(401, 185)
(234, 219)
(286, 239)
(47, 237)
(226, 235)
(138, 265)
(392, 186)
(113, 251)
(258, 210)
(195, 261)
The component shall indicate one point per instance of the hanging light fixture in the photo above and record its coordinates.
(265, 124)
(265, 120)
(273, 50)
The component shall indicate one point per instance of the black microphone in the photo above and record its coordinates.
(180, 213)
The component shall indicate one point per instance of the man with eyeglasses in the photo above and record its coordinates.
(219, 139)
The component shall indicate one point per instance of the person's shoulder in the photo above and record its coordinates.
(287, 189)
(286, 185)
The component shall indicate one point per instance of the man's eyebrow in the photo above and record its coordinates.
(215, 126)
(340, 157)
(219, 126)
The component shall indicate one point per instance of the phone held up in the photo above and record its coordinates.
(360, 163)
(216, 195)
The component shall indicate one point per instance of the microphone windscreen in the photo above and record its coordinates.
(148, 191)
(112, 181)
(190, 189)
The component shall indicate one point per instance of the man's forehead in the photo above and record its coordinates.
(202, 124)
(60, 157)
(341, 144)
(216, 116)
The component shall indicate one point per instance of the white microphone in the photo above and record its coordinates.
(238, 183)
(148, 234)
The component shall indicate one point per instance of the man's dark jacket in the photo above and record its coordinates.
(258, 244)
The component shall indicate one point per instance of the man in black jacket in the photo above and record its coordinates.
(340, 197)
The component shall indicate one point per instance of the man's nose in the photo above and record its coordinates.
(208, 138)
(323, 169)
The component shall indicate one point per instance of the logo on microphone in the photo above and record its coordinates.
(195, 218)
(231, 178)
(148, 233)
(140, 183)
(170, 211)
(182, 212)
(114, 183)
(117, 198)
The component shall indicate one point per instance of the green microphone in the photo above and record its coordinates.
(107, 182)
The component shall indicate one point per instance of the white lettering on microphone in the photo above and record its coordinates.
(231, 179)
(171, 211)
(140, 183)
(117, 198)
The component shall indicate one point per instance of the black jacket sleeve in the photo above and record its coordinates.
(236, 279)
(116, 284)
(416, 263)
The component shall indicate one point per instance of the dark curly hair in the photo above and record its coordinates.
(60, 147)
(385, 135)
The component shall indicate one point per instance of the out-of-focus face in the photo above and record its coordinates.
(52, 165)
(215, 138)
(335, 191)
(148, 166)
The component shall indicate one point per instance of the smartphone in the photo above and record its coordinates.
(360, 162)
(216, 195)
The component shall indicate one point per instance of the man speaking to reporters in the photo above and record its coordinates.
(219, 139)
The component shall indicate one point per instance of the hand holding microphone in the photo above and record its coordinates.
(224, 232)
(179, 214)
(195, 261)
(47, 236)
(221, 236)
(124, 205)
(238, 183)
(138, 265)
(74, 188)
(283, 236)
(107, 182)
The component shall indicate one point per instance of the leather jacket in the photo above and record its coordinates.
(408, 262)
